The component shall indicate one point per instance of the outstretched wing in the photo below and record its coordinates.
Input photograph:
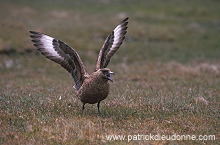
(62, 54)
(112, 44)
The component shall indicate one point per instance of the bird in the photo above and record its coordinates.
(90, 88)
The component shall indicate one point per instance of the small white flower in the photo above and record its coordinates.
(60, 98)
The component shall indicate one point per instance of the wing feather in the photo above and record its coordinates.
(112, 44)
(62, 54)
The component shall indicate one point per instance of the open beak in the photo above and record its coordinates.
(112, 72)
(109, 77)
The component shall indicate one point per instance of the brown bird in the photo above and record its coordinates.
(90, 88)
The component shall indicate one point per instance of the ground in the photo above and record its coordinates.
(167, 78)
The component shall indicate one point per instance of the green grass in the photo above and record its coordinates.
(169, 60)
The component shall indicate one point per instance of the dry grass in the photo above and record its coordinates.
(158, 98)
(167, 72)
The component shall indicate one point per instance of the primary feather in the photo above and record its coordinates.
(62, 54)
(112, 44)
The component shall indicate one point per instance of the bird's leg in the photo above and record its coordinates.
(98, 107)
(83, 107)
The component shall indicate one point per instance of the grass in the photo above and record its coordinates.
(167, 72)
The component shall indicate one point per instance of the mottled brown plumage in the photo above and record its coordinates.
(90, 88)
(95, 88)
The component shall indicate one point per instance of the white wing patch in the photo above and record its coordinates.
(117, 36)
(47, 42)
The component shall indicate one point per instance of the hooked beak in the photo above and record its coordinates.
(109, 77)
(112, 72)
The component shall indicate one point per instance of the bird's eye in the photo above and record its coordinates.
(104, 71)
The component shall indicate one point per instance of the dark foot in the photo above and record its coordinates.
(98, 107)
(83, 107)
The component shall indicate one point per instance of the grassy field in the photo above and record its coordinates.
(167, 71)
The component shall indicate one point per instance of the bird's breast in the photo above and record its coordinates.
(93, 90)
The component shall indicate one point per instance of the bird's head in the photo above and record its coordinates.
(106, 73)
